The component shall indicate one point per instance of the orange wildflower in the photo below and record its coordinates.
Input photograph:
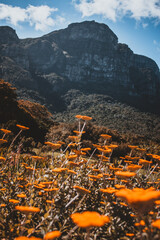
(138, 198)
(127, 161)
(55, 146)
(60, 142)
(74, 138)
(144, 162)
(13, 201)
(95, 176)
(133, 215)
(141, 149)
(89, 219)
(22, 127)
(123, 204)
(30, 168)
(85, 149)
(141, 223)
(20, 186)
(106, 136)
(46, 183)
(78, 116)
(128, 157)
(73, 164)
(129, 234)
(72, 172)
(39, 186)
(133, 167)
(81, 190)
(5, 130)
(93, 179)
(78, 132)
(52, 235)
(118, 186)
(106, 175)
(104, 150)
(79, 152)
(157, 157)
(124, 174)
(151, 213)
(51, 189)
(132, 147)
(25, 209)
(109, 190)
(3, 141)
(59, 170)
(156, 224)
(114, 168)
(21, 195)
(111, 179)
(96, 145)
(50, 201)
(2, 159)
(86, 118)
(72, 156)
(104, 158)
(157, 202)
(112, 146)
(3, 205)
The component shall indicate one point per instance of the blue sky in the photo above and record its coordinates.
(135, 22)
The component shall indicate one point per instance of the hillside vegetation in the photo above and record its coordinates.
(13, 111)
(108, 112)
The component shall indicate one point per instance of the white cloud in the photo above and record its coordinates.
(12, 14)
(113, 9)
(40, 17)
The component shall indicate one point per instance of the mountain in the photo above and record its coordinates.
(86, 57)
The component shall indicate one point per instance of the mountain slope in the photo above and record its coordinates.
(32, 115)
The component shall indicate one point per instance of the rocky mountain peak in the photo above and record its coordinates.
(91, 30)
(8, 35)
(83, 37)
(84, 56)
(84, 30)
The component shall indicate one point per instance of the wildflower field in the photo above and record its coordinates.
(71, 191)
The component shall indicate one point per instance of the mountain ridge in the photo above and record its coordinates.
(85, 56)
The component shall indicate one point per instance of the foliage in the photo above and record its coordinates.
(31, 114)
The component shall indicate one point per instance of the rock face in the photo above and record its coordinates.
(84, 56)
